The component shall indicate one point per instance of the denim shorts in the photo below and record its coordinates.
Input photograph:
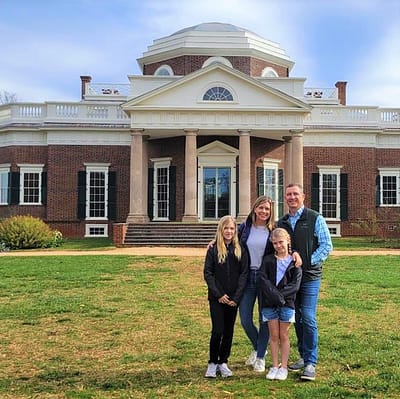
(283, 313)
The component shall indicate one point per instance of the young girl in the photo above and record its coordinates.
(280, 281)
(225, 272)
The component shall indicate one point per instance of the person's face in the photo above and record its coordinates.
(294, 198)
(263, 212)
(281, 246)
(228, 231)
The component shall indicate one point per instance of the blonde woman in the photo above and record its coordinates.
(225, 272)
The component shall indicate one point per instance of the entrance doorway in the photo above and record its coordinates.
(216, 191)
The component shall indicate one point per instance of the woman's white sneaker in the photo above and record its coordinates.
(281, 374)
(251, 359)
(224, 370)
(211, 371)
(259, 365)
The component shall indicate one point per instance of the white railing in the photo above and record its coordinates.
(111, 112)
(63, 113)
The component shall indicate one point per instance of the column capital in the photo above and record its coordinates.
(287, 139)
(136, 132)
(296, 132)
(243, 132)
(191, 132)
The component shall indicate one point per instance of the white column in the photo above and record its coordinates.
(190, 214)
(297, 158)
(138, 184)
(288, 160)
(244, 175)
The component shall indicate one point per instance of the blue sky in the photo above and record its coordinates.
(47, 45)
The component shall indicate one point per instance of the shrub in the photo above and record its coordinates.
(24, 232)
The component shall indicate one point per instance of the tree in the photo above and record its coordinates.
(7, 98)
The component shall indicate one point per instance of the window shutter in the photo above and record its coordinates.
(280, 192)
(112, 195)
(81, 195)
(44, 188)
(377, 191)
(315, 191)
(150, 193)
(172, 193)
(14, 188)
(260, 180)
(344, 209)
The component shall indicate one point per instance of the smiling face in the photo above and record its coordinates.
(294, 197)
(262, 213)
(281, 246)
(228, 231)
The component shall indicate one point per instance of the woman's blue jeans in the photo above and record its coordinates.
(258, 337)
(306, 321)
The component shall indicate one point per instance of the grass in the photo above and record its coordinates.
(102, 327)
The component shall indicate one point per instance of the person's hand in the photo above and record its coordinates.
(224, 299)
(232, 303)
(297, 259)
(211, 244)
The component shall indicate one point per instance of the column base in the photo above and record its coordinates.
(190, 218)
(241, 218)
(141, 219)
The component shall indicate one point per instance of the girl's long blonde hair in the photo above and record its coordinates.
(219, 238)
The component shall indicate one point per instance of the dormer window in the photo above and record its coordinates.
(215, 60)
(164, 70)
(217, 94)
(269, 72)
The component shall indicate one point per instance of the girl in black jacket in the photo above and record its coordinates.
(225, 272)
(280, 281)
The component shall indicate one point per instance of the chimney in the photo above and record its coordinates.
(341, 86)
(84, 80)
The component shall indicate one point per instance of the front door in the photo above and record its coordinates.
(216, 192)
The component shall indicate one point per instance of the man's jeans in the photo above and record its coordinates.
(258, 337)
(306, 321)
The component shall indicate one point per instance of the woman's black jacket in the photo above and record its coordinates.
(229, 277)
(285, 293)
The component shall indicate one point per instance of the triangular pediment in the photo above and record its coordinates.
(187, 93)
(217, 148)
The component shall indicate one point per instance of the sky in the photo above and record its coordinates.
(46, 45)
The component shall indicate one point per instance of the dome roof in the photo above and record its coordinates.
(215, 39)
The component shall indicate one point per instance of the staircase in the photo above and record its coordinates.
(170, 234)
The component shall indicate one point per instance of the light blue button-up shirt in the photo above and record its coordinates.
(321, 231)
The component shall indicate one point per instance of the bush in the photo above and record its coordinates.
(24, 232)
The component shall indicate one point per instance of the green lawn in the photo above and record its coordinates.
(138, 327)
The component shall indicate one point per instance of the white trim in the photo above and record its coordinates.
(160, 163)
(272, 164)
(97, 167)
(99, 226)
(216, 154)
(334, 226)
(167, 68)
(330, 170)
(25, 169)
(221, 60)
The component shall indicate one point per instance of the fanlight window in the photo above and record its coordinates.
(218, 94)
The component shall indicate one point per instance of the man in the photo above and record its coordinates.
(311, 238)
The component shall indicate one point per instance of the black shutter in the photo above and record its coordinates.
(14, 188)
(172, 193)
(315, 191)
(344, 209)
(81, 195)
(280, 192)
(44, 188)
(112, 195)
(260, 180)
(150, 193)
(378, 191)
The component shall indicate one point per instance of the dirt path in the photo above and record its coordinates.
(169, 251)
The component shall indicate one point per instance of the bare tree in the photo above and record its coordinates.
(7, 98)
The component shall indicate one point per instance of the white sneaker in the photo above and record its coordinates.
(252, 359)
(259, 365)
(224, 370)
(281, 374)
(272, 373)
(211, 370)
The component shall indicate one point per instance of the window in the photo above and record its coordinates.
(161, 188)
(269, 72)
(270, 182)
(164, 70)
(96, 230)
(31, 184)
(389, 193)
(217, 60)
(329, 193)
(4, 184)
(218, 94)
(96, 192)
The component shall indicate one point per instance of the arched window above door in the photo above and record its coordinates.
(217, 93)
